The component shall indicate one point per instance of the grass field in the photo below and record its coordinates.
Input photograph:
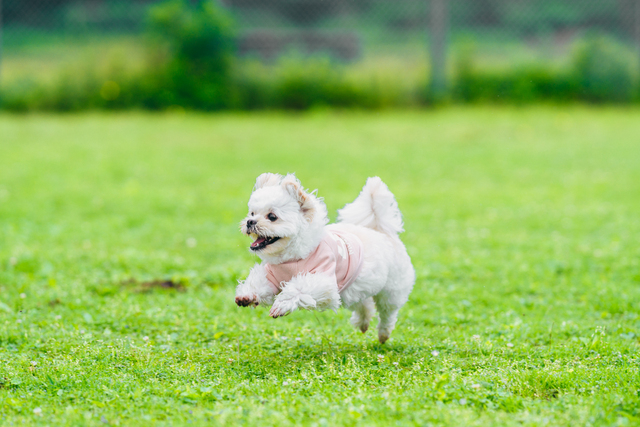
(522, 224)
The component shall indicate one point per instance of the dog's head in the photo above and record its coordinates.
(285, 221)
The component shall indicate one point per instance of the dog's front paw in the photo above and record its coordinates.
(246, 301)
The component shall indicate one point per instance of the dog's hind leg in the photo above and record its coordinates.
(388, 311)
(362, 314)
(394, 296)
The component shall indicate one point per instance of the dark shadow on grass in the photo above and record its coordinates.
(152, 285)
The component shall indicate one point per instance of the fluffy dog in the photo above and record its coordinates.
(306, 264)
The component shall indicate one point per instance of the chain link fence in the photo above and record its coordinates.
(39, 36)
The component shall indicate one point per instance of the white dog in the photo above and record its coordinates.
(307, 264)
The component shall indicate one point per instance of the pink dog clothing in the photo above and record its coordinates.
(339, 254)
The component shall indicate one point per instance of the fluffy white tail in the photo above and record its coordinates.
(375, 207)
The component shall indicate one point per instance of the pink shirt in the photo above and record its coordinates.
(339, 254)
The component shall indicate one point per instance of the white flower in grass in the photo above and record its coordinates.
(285, 382)
(34, 363)
(395, 363)
(475, 386)
(37, 411)
(435, 353)
(23, 296)
(145, 338)
(476, 337)
(509, 345)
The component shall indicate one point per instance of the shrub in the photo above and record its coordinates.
(302, 85)
(604, 70)
(200, 41)
(525, 84)
(299, 84)
(600, 71)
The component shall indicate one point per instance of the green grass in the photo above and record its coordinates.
(522, 225)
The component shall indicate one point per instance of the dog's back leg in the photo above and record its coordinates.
(395, 295)
(362, 314)
(388, 306)
(387, 323)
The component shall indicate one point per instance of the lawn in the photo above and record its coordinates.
(522, 225)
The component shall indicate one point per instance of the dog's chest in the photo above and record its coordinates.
(339, 254)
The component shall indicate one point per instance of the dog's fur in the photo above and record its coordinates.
(387, 275)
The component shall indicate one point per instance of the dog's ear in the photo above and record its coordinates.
(267, 180)
(291, 184)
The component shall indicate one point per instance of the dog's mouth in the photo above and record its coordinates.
(262, 242)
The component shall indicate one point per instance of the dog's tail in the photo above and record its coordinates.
(375, 207)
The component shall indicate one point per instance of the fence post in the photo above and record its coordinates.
(439, 27)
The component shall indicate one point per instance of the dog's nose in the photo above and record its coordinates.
(251, 223)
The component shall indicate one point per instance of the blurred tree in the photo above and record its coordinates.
(201, 42)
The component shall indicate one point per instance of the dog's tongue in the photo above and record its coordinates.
(258, 241)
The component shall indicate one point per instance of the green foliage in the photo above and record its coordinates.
(293, 84)
(527, 84)
(601, 71)
(21, 96)
(313, 85)
(200, 41)
(605, 70)
(522, 225)
(301, 84)
(191, 66)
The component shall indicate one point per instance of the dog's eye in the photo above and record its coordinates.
(272, 217)
(252, 214)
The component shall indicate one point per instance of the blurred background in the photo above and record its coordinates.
(299, 54)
